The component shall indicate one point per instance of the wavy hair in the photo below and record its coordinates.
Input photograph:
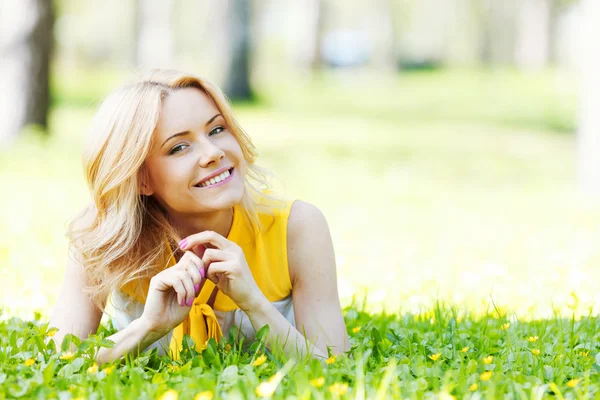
(106, 236)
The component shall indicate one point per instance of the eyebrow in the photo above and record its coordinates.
(187, 132)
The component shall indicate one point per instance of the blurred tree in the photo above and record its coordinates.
(237, 78)
(589, 117)
(154, 33)
(25, 47)
(498, 22)
(319, 7)
(534, 34)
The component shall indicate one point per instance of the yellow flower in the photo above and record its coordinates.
(473, 387)
(29, 362)
(51, 332)
(206, 395)
(319, 382)
(488, 359)
(486, 376)
(93, 369)
(259, 361)
(584, 353)
(67, 356)
(227, 348)
(464, 349)
(573, 382)
(506, 326)
(330, 360)
(532, 339)
(173, 368)
(169, 395)
(436, 356)
(266, 389)
(338, 388)
(356, 329)
(535, 352)
(109, 370)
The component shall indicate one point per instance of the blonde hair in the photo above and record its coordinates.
(106, 236)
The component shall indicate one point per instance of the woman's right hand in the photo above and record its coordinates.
(171, 288)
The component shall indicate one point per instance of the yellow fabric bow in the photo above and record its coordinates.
(201, 324)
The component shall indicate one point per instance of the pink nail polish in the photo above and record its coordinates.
(197, 287)
(190, 302)
(182, 302)
(183, 243)
(202, 272)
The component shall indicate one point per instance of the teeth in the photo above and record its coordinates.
(216, 179)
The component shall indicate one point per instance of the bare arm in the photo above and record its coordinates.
(316, 303)
(134, 339)
(74, 313)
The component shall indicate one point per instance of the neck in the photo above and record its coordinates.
(217, 221)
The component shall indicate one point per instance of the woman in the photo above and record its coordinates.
(181, 241)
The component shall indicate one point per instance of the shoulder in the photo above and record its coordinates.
(307, 237)
(304, 216)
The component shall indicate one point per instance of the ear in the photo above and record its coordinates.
(145, 188)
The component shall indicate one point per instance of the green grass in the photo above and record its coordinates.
(455, 187)
(444, 352)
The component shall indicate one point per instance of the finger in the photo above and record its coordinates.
(217, 268)
(205, 237)
(215, 255)
(178, 286)
(196, 274)
(189, 288)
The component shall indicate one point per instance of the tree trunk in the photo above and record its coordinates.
(237, 81)
(25, 47)
(320, 11)
(498, 25)
(155, 34)
(533, 40)
(589, 117)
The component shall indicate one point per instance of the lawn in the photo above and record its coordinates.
(450, 196)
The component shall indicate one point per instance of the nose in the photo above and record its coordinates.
(210, 154)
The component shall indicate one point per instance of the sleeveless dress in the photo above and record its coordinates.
(267, 259)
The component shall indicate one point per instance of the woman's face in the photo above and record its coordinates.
(192, 142)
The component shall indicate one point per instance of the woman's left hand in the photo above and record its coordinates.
(226, 267)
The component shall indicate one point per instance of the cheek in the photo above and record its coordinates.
(169, 174)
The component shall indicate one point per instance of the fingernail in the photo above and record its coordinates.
(183, 243)
(197, 287)
(182, 302)
(202, 272)
(190, 302)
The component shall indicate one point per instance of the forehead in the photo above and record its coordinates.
(184, 109)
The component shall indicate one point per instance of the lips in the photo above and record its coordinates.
(219, 172)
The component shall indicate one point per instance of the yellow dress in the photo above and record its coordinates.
(266, 256)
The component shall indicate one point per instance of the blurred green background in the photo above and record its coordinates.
(441, 146)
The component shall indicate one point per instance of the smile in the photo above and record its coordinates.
(217, 181)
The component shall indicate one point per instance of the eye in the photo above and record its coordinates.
(176, 147)
(220, 128)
